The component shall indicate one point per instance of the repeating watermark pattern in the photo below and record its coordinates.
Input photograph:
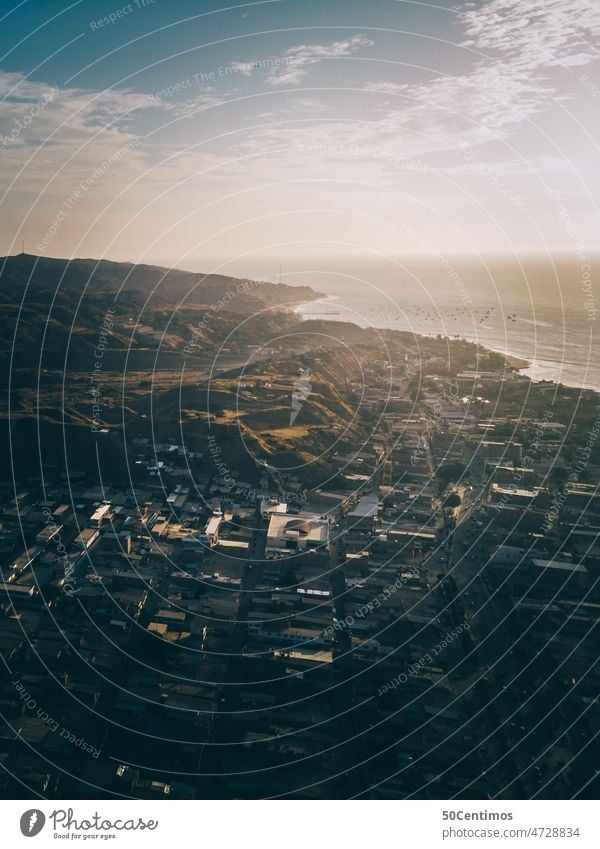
(366, 609)
(118, 14)
(22, 123)
(67, 564)
(224, 301)
(426, 245)
(377, 220)
(590, 86)
(96, 374)
(421, 242)
(405, 163)
(527, 461)
(585, 268)
(225, 473)
(201, 78)
(469, 154)
(87, 183)
(314, 447)
(583, 461)
(428, 659)
(31, 704)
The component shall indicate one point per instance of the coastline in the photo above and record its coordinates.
(538, 370)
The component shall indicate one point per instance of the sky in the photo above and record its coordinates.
(174, 131)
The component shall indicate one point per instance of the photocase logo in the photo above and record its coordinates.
(300, 391)
(32, 822)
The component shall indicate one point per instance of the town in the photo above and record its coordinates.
(420, 626)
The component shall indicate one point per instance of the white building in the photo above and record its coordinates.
(271, 505)
(99, 515)
(211, 531)
(290, 535)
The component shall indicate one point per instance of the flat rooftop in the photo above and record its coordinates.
(564, 565)
(367, 508)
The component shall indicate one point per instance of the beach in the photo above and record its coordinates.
(555, 336)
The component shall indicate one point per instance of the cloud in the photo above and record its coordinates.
(42, 128)
(528, 46)
(519, 59)
(516, 68)
(535, 34)
(299, 58)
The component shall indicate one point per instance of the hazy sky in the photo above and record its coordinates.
(181, 130)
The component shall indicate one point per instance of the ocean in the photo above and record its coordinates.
(541, 310)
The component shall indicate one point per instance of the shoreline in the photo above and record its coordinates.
(516, 361)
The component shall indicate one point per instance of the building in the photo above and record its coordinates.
(271, 505)
(288, 536)
(47, 534)
(517, 496)
(99, 516)
(178, 497)
(86, 538)
(24, 560)
(502, 451)
(582, 499)
(210, 536)
(62, 511)
(364, 514)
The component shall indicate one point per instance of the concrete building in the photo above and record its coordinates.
(99, 516)
(271, 505)
(364, 514)
(24, 560)
(517, 496)
(47, 534)
(210, 536)
(288, 536)
(86, 538)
